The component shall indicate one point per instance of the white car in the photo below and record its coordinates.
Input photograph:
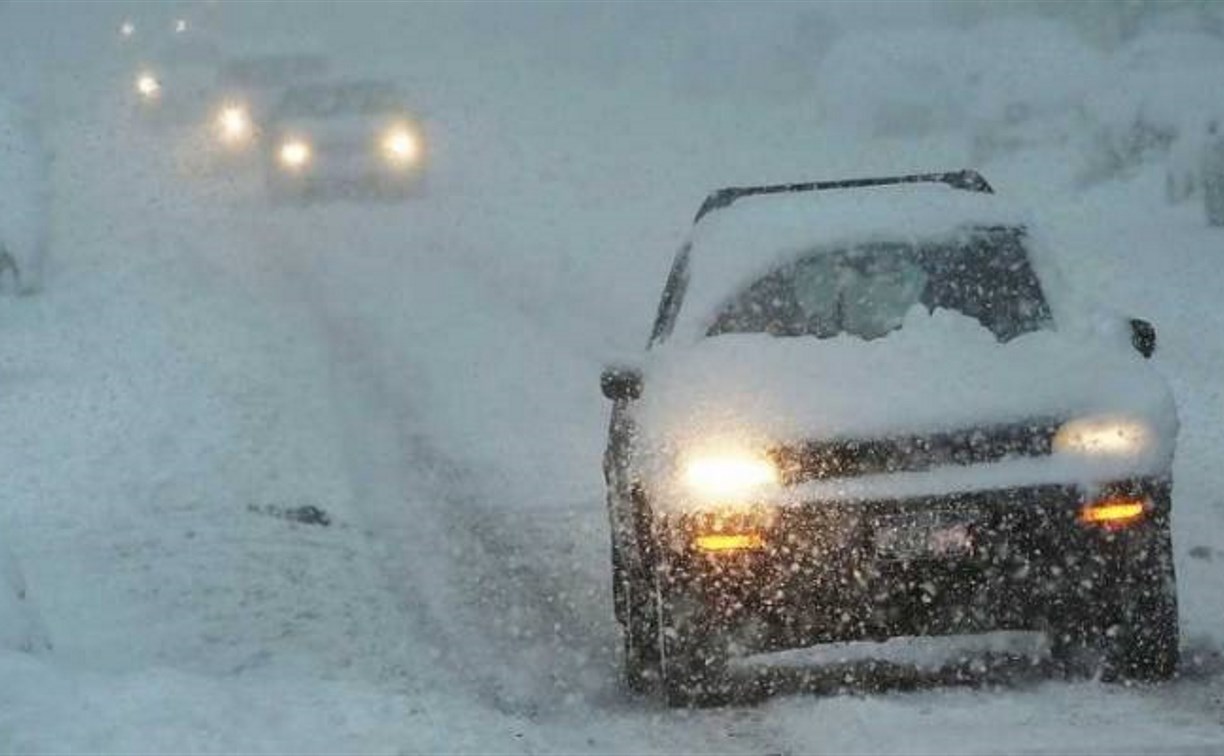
(343, 139)
(869, 408)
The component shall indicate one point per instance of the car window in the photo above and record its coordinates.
(866, 290)
(363, 99)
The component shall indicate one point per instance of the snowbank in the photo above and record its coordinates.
(24, 195)
(21, 625)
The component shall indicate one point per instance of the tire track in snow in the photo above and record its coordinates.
(491, 595)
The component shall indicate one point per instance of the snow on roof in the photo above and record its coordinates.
(736, 245)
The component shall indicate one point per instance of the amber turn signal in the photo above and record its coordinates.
(715, 542)
(1113, 512)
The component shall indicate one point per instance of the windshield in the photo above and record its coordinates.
(866, 290)
(364, 98)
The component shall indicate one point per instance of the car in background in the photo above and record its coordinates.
(173, 75)
(869, 409)
(247, 88)
(348, 139)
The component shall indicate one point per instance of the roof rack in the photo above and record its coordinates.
(968, 180)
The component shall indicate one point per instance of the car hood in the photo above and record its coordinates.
(939, 372)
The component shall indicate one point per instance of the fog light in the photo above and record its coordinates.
(716, 542)
(1113, 512)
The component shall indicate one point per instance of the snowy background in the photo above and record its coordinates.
(198, 363)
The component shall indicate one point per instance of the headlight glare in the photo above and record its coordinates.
(728, 477)
(233, 123)
(1103, 437)
(148, 86)
(401, 146)
(295, 153)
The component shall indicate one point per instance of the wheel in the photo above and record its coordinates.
(633, 595)
(1145, 646)
(640, 631)
(286, 190)
(1130, 631)
(1213, 199)
(693, 664)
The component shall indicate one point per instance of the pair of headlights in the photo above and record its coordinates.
(399, 145)
(738, 476)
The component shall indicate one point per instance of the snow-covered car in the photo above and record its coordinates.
(343, 139)
(870, 409)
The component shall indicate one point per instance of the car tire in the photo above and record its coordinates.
(640, 631)
(1145, 643)
(693, 663)
(1130, 631)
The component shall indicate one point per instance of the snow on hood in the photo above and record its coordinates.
(940, 371)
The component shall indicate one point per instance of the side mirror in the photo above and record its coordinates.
(1143, 337)
(620, 383)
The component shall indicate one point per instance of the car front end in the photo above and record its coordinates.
(1056, 522)
(903, 431)
(830, 563)
(363, 158)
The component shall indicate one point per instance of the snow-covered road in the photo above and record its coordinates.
(201, 363)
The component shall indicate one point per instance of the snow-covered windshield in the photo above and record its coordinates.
(327, 100)
(866, 290)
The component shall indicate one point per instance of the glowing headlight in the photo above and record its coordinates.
(233, 123)
(1103, 436)
(148, 86)
(180, 25)
(127, 28)
(295, 154)
(401, 146)
(728, 476)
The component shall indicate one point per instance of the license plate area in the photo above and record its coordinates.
(923, 535)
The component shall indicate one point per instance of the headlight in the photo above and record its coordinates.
(127, 29)
(295, 154)
(728, 477)
(401, 146)
(147, 86)
(1103, 437)
(233, 123)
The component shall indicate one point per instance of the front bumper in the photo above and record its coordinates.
(330, 175)
(822, 576)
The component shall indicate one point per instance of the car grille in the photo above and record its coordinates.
(824, 460)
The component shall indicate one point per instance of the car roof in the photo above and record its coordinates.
(968, 180)
(273, 70)
(744, 233)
